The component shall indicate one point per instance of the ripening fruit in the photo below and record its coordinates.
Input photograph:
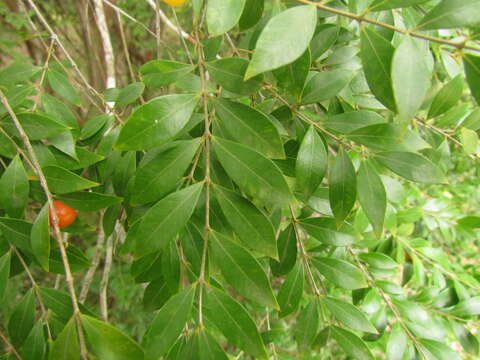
(175, 2)
(66, 215)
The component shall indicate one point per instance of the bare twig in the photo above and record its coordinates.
(9, 346)
(105, 277)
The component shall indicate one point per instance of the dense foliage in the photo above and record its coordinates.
(239, 179)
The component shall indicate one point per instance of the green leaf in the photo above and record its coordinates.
(249, 127)
(229, 73)
(109, 343)
(292, 77)
(435, 350)
(78, 261)
(397, 343)
(470, 222)
(158, 73)
(472, 71)
(343, 186)
(37, 126)
(94, 126)
(252, 13)
(62, 181)
(308, 324)
(253, 173)
(60, 303)
(168, 323)
(62, 86)
(129, 94)
(17, 73)
(287, 252)
(223, 15)
(201, 346)
(466, 338)
(469, 140)
(341, 273)
(377, 54)
(60, 112)
(161, 173)
(7, 146)
(34, 346)
(241, 270)
(447, 97)
(156, 122)
(351, 344)
(85, 159)
(469, 307)
(5, 261)
(451, 14)
(22, 319)
(235, 323)
(66, 346)
(378, 260)
(325, 85)
(278, 45)
(350, 121)
(157, 294)
(324, 230)
(17, 232)
(411, 166)
(380, 5)
(311, 164)
(65, 143)
(163, 221)
(349, 315)
(253, 228)
(14, 188)
(89, 201)
(410, 76)
(291, 292)
(372, 196)
(325, 36)
(40, 237)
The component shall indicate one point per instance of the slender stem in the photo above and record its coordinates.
(182, 38)
(44, 73)
(105, 277)
(10, 347)
(128, 16)
(158, 28)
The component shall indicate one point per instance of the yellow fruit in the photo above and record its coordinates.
(175, 2)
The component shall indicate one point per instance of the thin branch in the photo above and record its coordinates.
(10, 347)
(105, 277)
(128, 16)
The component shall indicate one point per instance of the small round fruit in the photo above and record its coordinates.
(175, 2)
(65, 214)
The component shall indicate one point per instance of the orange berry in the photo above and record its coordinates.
(65, 214)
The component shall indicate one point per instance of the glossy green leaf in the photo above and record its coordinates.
(63, 181)
(89, 201)
(343, 186)
(308, 324)
(168, 323)
(158, 73)
(378, 260)
(60, 112)
(156, 122)
(129, 94)
(350, 121)
(324, 229)
(472, 70)
(85, 159)
(252, 13)
(311, 164)
(18, 72)
(5, 262)
(37, 126)
(241, 270)
(254, 173)
(341, 273)
(35, 345)
(17, 232)
(377, 54)
(223, 15)
(163, 221)
(62, 86)
(66, 346)
(372, 196)
(447, 97)
(22, 319)
(380, 5)
(291, 292)
(202, 346)
(109, 343)
(435, 350)
(270, 52)
(65, 143)
(292, 77)
(411, 166)
(410, 76)
(14, 188)
(325, 85)
(161, 173)
(252, 227)
(349, 315)
(287, 252)
(229, 73)
(7, 146)
(451, 14)
(249, 127)
(40, 237)
(231, 318)
(351, 343)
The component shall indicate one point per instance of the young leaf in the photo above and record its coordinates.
(14, 188)
(324, 230)
(447, 97)
(163, 221)
(308, 324)
(158, 73)
(343, 186)
(234, 322)
(66, 346)
(34, 346)
(161, 174)
(249, 127)
(410, 77)
(62, 86)
(156, 122)
(40, 237)
(472, 70)
(287, 252)
(4, 272)
(278, 45)
(62, 181)
(349, 315)
(291, 292)
(377, 54)
(22, 319)
(451, 14)
(411, 166)
(223, 15)
(351, 344)
(311, 164)
(325, 85)
(253, 173)
(372, 196)
(241, 270)
(168, 323)
(340, 272)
